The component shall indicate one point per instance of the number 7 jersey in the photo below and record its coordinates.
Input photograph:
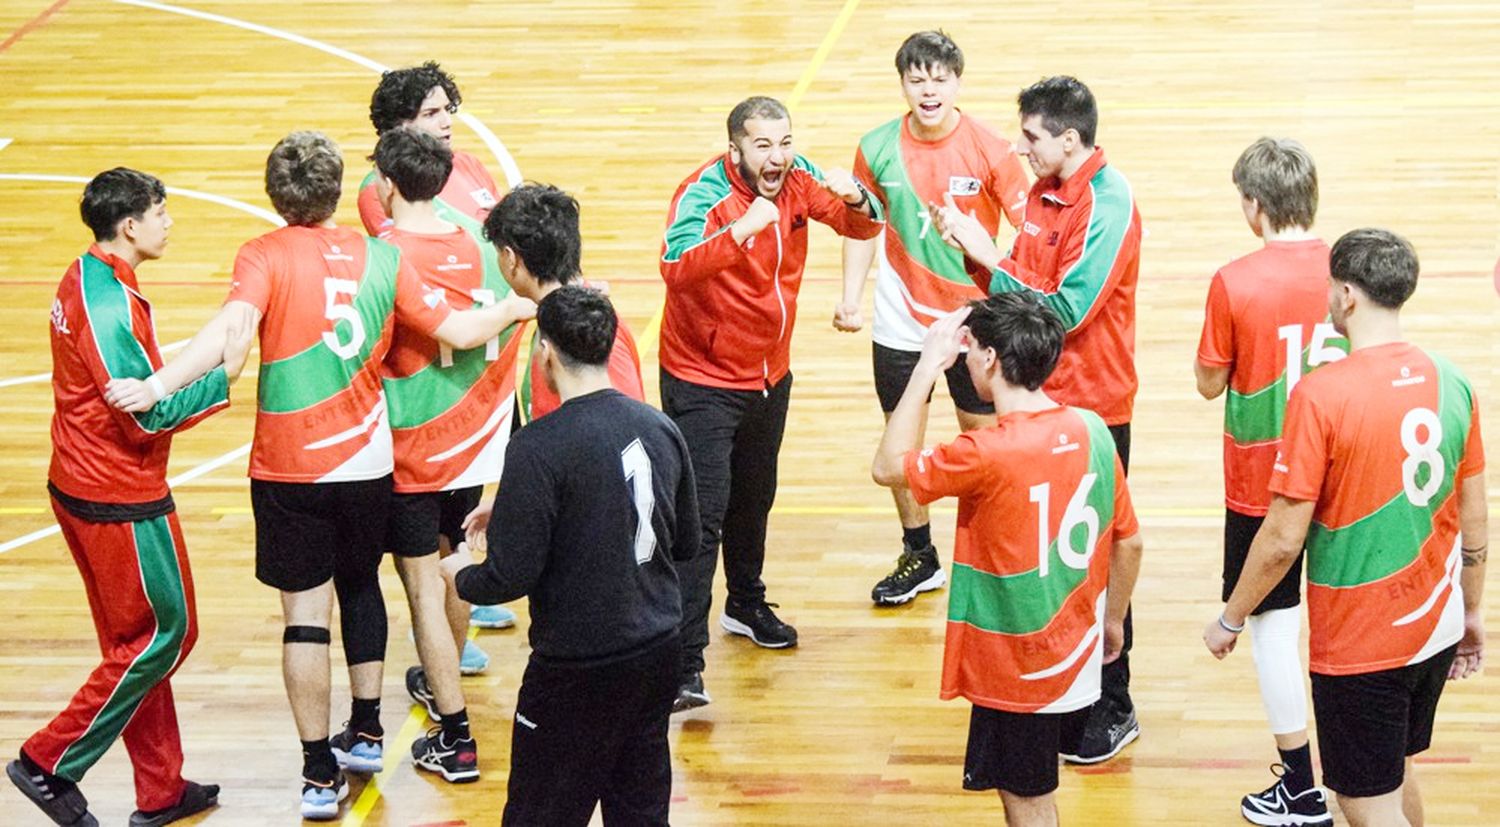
(1381, 441)
(1041, 502)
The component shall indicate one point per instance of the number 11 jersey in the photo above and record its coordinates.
(1381, 441)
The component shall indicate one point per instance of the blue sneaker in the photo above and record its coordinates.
(320, 800)
(473, 661)
(491, 617)
(358, 752)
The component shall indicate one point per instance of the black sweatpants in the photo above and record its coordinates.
(1115, 682)
(594, 734)
(733, 438)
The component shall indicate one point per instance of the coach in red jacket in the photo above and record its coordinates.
(736, 240)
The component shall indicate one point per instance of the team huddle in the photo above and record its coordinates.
(393, 388)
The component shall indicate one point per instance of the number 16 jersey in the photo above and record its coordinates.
(1381, 441)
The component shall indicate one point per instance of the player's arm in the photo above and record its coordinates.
(859, 255)
(692, 249)
(1216, 342)
(840, 201)
(1272, 553)
(1212, 379)
(1124, 568)
(903, 431)
(1474, 541)
(464, 329)
(518, 536)
(224, 341)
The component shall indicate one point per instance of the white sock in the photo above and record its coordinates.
(1274, 637)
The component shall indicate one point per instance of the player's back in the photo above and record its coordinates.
(613, 478)
(326, 295)
(1380, 440)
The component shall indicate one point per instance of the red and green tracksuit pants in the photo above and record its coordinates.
(141, 594)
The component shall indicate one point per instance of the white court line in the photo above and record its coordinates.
(502, 155)
(5, 142)
(181, 479)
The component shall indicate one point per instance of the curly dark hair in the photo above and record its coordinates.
(399, 96)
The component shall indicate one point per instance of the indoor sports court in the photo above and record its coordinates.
(615, 102)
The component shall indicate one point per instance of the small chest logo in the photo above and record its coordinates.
(962, 185)
(799, 221)
(1030, 228)
(483, 198)
(1052, 238)
(60, 321)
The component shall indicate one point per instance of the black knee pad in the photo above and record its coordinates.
(361, 615)
(306, 634)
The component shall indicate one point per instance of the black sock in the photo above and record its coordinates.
(1299, 775)
(456, 725)
(917, 538)
(364, 717)
(318, 763)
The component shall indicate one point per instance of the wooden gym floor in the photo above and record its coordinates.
(617, 102)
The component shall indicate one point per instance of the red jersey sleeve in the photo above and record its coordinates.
(252, 276)
(1126, 524)
(953, 469)
(1302, 462)
(625, 365)
(418, 307)
(1216, 344)
(866, 177)
(1008, 186)
(371, 214)
(1473, 461)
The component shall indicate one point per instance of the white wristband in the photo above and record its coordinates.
(157, 390)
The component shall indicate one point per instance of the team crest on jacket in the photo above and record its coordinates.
(962, 185)
(59, 321)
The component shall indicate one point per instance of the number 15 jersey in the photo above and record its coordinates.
(1041, 502)
(1381, 441)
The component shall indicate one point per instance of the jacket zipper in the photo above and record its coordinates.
(781, 302)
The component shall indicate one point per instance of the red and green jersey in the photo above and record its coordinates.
(538, 400)
(327, 296)
(920, 278)
(450, 410)
(1266, 321)
(470, 192)
(1080, 248)
(1380, 441)
(1041, 502)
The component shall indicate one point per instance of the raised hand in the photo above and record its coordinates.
(841, 183)
(763, 213)
(130, 395)
(962, 231)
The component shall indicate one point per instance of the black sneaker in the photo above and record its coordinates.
(1105, 734)
(457, 761)
(358, 751)
(917, 571)
(195, 799)
(56, 796)
(1277, 807)
(421, 693)
(691, 694)
(759, 623)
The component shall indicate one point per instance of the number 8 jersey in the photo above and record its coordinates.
(1041, 502)
(327, 297)
(1381, 441)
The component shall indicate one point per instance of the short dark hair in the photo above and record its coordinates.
(1023, 331)
(929, 50)
(398, 98)
(1063, 103)
(415, 162)
(539, 222)
(1380, 263)
(115, 195)
(580, 323)
(750, 108)
(1280, 175)
(304, 177)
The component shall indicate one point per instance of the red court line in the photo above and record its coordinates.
(32, 24)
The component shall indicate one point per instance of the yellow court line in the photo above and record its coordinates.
(653, 328)
(15, 511)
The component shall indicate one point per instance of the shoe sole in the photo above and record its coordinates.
(1288, 820)
(690, 701)
(933, 583)
(353, 763)
(491, 624)
(1134, 733)
(735, 627)
(327, 812)
(22, 781)
(471, 671)
(465, 777)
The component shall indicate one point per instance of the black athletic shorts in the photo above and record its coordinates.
(1239, 532)
(1017, 751)
(1369, 724)
(306, 530)
(893, 370)
(589, 734)
(418, 519)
